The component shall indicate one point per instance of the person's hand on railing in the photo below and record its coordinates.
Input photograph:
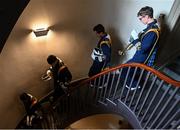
(65, 86)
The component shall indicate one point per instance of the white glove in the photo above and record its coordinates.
(138, 46)
(62, 85)
(134, 35)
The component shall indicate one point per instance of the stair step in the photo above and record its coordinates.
(110, 102)
(103, 103)
(172, 74)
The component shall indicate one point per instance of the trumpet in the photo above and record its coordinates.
(47, 76)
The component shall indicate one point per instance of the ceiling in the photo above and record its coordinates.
(10, 10)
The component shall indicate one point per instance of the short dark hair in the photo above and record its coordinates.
(99, 28)
(51, 59)
(146, 11)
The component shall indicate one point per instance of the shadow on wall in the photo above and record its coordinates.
(165, 31)
(20, 33)
(169, 42)
(116, 45)
(60, 26)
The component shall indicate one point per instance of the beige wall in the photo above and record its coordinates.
(23, 58)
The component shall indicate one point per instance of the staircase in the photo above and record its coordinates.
(154, 102)
(172, 69)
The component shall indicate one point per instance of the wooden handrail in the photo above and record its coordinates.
(159, 74)
(77, 83)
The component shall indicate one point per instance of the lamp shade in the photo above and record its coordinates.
(41, 32)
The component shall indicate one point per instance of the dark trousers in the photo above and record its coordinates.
(96, 68)
(58, 91)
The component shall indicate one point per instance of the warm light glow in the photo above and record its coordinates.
(38, 26)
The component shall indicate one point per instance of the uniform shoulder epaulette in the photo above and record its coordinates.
(61, 68)
(156, 30)
(105, 41)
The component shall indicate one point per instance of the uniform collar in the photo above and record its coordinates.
(150, 25)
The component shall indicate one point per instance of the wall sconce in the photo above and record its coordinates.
(41, 32)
